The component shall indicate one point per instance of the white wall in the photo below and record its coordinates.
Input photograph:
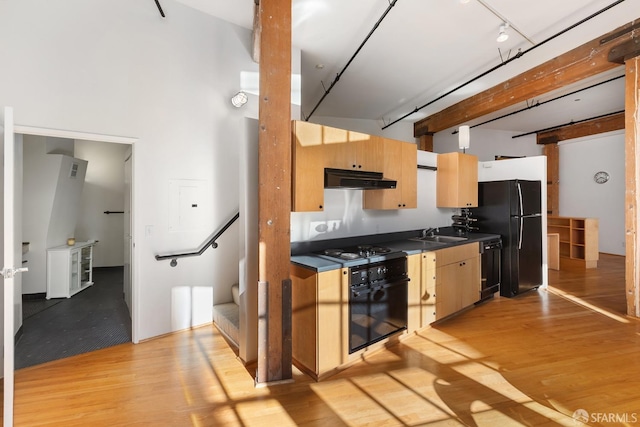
(115, 67)
(37, 205)
(66, 201)
(580, 196)
(103, 191)
(50, 206)
(488, 143)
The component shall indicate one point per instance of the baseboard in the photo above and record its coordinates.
(40, 295)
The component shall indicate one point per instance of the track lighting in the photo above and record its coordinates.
(502, 35)
(239, 99)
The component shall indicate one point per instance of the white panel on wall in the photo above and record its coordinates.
(188, 204)
(581, 196)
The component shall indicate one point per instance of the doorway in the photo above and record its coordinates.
(102, 207)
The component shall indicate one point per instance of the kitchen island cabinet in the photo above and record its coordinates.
(457, 278)
(457, 181)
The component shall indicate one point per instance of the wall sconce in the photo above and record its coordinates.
(463, 138)
(239, 99)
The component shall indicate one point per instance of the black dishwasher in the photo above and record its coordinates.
(490, 260)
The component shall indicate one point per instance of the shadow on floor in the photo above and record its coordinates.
(95, 318)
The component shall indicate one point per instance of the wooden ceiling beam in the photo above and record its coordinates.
(579, 130)
(587, 60)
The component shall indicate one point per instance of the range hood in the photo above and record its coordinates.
(351, 179)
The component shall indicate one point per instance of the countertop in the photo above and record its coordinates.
(320, 263)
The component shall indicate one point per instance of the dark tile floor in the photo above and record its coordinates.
(94, 318)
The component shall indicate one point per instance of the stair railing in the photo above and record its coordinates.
(211, 243)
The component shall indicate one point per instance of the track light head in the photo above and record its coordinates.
(502, 35)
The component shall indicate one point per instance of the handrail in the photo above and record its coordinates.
(211, 242)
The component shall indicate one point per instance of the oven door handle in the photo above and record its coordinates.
(386, 285)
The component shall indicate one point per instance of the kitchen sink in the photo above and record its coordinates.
(440, 239)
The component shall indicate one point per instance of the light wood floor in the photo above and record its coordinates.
(531, 360)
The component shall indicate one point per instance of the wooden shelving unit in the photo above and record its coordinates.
(578, 240)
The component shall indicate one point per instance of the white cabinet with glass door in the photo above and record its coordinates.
(69, 269)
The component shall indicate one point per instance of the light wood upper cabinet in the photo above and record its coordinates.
(307, 179)
(352, 150)
(457, 181)
(400, 161)
(316, 147)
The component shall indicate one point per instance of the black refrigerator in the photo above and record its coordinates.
(512, 209)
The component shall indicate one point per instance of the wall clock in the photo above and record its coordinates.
(601, 177)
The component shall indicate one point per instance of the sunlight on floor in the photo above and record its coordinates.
(268, 412)
(587, 305)
(444, 389)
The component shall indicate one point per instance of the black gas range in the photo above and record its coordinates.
(365, 253)
(377, 292)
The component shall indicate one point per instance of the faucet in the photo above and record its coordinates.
(430, 232)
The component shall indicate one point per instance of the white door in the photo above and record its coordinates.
(127, 232)
(11, 260)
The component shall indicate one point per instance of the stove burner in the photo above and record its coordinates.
(333, 252)
(356, 252)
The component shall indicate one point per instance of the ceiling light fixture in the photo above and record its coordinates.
(502, 35)
(239, 99)
(463, 138)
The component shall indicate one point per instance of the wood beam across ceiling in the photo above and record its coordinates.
(585, 61)
(579, 130)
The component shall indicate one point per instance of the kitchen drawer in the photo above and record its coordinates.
(456, 253)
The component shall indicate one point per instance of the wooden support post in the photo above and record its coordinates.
(426, 142)
(632, 178)
(274, 192)
(553, 173)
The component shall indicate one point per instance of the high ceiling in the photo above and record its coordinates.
(424, 48)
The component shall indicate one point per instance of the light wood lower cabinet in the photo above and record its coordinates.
(457, 278)
(319, 311)
(421, 307)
